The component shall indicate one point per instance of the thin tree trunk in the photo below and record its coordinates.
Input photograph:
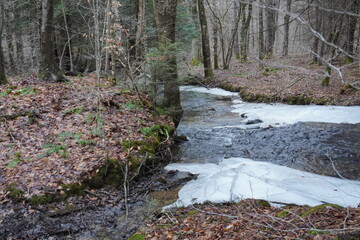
(140, 29)
(216, 42)
(236, 40)
(261, 34)
(209, 73)
(286, 26)
(3, 79)
(317, 28)
(68, 37)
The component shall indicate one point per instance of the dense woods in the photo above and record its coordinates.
(117, 39)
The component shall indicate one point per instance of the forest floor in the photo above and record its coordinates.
(254, 219)
(285, 79)
(56, 134)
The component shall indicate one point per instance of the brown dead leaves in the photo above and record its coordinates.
(54, 133)
(248, 220)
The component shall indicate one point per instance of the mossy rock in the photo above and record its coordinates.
(262, 203)
(318, 208)
(298, 100)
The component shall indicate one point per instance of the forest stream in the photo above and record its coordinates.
(214, 133)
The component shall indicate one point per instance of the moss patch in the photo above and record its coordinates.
(318, 208)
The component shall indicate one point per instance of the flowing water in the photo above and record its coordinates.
(215, 133)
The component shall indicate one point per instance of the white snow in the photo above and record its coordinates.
(239, 178)
(280, 114)
(214, 91)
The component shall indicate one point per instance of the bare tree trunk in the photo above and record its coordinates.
(71, 62)
(317, 28)
(209, 73)
(245, 31)
(48, 69)
(10, 38)
(236, 40)
(261, 34)
(215, 47)
(270, 27)
(286, 26)
(165, 18)
(3, 79)
(108, 35)
(352, 21)
(140, 29)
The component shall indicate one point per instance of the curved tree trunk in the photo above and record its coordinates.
(165, 18)
(48, 69)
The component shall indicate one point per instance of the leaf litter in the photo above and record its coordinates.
(60, 133)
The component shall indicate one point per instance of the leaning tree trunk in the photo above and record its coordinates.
(165, 18)
(2, 69)
(48, 69)
(209, 73)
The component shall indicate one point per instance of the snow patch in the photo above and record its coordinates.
(239, 178)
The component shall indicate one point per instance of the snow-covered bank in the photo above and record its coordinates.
(239, 178)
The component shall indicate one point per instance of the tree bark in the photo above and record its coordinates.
(215, 47)
(3, 79)
(209, 73)
(48, 69)
(245, 31)
(270, 27)
(140, 29)
(236, 40)
(352, 21)
(286, 26)
(165, 18)
(261, 34)
(317, 28)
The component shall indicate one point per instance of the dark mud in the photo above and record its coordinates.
(100, 214)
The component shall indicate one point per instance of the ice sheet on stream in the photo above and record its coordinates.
(239, 178)
(279, 114)
(214, 91)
